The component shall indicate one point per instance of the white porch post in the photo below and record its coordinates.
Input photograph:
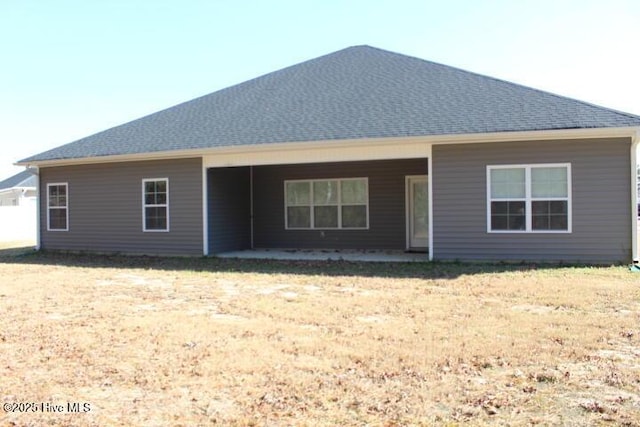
(634, 197)
(205, 211)
(36, 170)
(251, 202)
(430, 197)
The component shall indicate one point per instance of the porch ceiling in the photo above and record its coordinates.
(322, 152)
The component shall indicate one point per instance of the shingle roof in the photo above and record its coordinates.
(358, 92)
(21, 179)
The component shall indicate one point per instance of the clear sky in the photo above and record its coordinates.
(71, 68)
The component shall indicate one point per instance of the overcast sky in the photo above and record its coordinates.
(71, 68)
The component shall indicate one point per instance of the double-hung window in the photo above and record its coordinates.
(155, 204)
(529, 198)
(58, 207)
(327, 204)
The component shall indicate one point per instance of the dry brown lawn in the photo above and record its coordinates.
(154, 342)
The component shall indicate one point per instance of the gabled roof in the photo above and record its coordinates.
(358, 92)
(21, 179)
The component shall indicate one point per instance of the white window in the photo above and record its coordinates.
(327, 204)
(58, 207)
(155, 204)
(529, 198)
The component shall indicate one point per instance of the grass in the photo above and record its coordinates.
(182, 341)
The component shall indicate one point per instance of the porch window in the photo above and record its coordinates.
(327, 204)
(155, 204)
(58, 207)
(529, 198)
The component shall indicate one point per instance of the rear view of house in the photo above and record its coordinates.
(358, 149)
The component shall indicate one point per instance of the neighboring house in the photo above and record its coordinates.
(18, 197)
(19, 189)
(358, 149)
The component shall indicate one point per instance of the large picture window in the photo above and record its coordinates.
(529, 198)
(155, 204)
(327, 204)
(58, 207)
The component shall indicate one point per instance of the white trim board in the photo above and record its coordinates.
(368, 148)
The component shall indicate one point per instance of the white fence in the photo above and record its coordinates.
(18, 223)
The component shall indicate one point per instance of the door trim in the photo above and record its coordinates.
(407, 210)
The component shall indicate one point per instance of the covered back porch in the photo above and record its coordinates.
(376, 209)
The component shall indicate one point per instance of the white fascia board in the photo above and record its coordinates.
(538, 135)
(378, 147)
(33, 187)
(12, 190)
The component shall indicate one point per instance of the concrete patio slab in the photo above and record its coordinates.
(327, 255)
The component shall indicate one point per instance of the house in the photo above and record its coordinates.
(359, 149)
(18, 190)
(18, 198)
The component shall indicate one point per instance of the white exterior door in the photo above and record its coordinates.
(417, 212)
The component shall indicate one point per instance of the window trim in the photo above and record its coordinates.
(144, 206)
(339, 205)
(49, 207)
(528, 199)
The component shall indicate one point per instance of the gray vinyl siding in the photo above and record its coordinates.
(105, 207)
(600, 202)
(387, 214)
(229, 209)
